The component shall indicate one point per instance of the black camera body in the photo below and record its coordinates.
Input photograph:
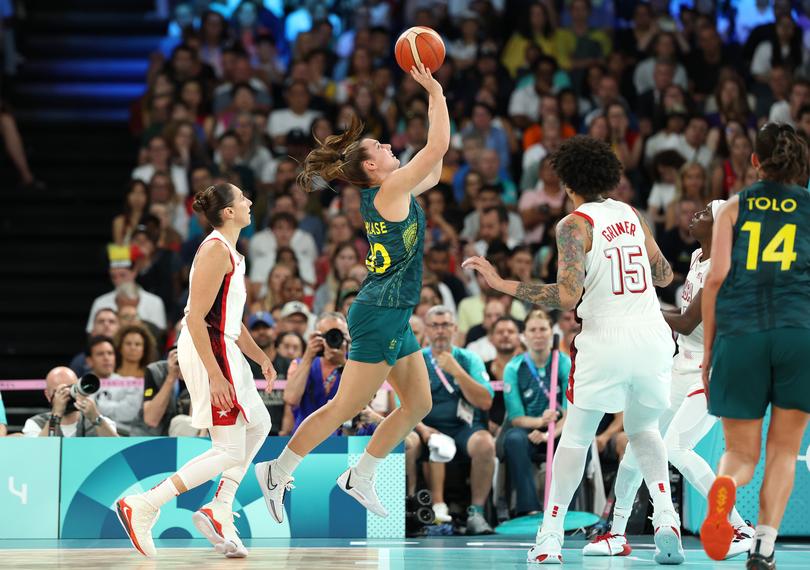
(333, 338)
(87, 385)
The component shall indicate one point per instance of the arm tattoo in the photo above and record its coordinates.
(661, 270)
(571, 238)
(538, 294)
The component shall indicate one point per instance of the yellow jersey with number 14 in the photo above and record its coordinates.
(768, 284)
(395, 254)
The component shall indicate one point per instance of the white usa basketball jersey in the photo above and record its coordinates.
(694, 283)
(228, 309)
(618, 280)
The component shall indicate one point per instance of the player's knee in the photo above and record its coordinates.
(482, 445)
(575, 439)
(515, 438)
(231, 454)
(417, 408)
(744, 452)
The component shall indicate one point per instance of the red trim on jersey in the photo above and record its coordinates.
(696, 392)
(569, 393)
(217, 336)
(584, 216)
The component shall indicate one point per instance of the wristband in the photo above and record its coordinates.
(98, 420)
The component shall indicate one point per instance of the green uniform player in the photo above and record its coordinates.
(763, 330)
(379, 317)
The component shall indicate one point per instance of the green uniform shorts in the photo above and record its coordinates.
(753, 370)
(380, 333)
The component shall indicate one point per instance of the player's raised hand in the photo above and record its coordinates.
(486, 269)
(424, 78)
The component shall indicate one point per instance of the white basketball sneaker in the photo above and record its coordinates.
(215, 521)
(274, 483)
(363, 490)
(547, 550)
(608, 544)
(668, 548)
(743, 537)
(442, 513)
(138, 516)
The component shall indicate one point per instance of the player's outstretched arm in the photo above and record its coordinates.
(574, 236)
(661, 270)
(686, 322)
(722, 239)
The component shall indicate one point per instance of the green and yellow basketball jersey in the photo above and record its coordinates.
(394, 258)
(768, 284)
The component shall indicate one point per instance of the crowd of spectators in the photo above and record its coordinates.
(241, 91)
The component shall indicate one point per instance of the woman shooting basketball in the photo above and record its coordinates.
(383, 344)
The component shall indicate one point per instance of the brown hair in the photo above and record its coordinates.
(212, 201)
(339, 157)
(149, 345)
(538, 314)
(783, 154)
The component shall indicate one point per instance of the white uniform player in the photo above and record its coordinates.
(625, 347)
(685, 423)
(224, 322)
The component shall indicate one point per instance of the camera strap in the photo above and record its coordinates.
(329, 381)
(536, 374)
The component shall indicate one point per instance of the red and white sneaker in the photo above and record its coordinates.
(215, 521)
(608, 544)
(547, 550)
(138, 516)
(743, 538)
(716, 533)
(668, 547)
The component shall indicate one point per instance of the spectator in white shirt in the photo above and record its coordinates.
(787, 111)
(121, 399)
(784, 48)
(664, 49)
(297, 115)
(150, 307)
(158, 157)
(282, 231)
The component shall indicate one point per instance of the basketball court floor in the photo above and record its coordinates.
(456, 553)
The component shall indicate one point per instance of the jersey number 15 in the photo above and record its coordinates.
(626, 272)
(784, 238)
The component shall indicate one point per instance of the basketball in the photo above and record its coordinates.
(419, 44)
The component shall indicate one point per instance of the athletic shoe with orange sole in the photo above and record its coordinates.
(215, 522)
(138, 516)
(716, 533)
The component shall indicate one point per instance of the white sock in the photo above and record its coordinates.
(161, 493)
(651, 456)
(620, 518)
(628, 480)
(553, 520)
(226, 491)
(367, 465)
(764, 540)
(288, 461)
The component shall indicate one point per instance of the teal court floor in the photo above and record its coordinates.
(456, 553)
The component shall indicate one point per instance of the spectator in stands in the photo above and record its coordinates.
(157, 268)
(727, 176)
(135, 347)
(3, 419)
(788, 111)
(290, 345)
(314, 379)
(705, 62)
(283, 231)
(506, 340)
(490, 197)
(568, 327)
(527, 387)
(416, 136)
(666, 165)
(150, 307)
(581, 46)
(229, 164)
(543, 204)
(692, 183)
(344, 257)
(489, 167)
(437, 260)
(677, 246)
(192, 94)
(461, 398)
(471, 309)
(166, 401)
(136, 206)
(665, 48)
(803, 123)
(105, 323)
(295, 317)
(119, 399)
(784, 48)
(494, 227)
(297, 114)
(68, 417)
(213, 33)
(162, 191)
(480, 338)
(158, 159)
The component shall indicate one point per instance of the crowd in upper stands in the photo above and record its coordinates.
(241, 91)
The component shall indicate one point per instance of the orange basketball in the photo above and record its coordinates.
(419, 44)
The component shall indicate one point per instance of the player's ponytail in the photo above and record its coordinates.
(783, 154)
(339, 157)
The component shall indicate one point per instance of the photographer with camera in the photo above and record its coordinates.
(73, 410)
(313, 379)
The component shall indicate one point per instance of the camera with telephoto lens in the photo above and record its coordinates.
(333, 338)
(87, 385)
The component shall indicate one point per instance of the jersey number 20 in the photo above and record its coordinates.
(784, 238)
(626, 273)
(371, 261)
